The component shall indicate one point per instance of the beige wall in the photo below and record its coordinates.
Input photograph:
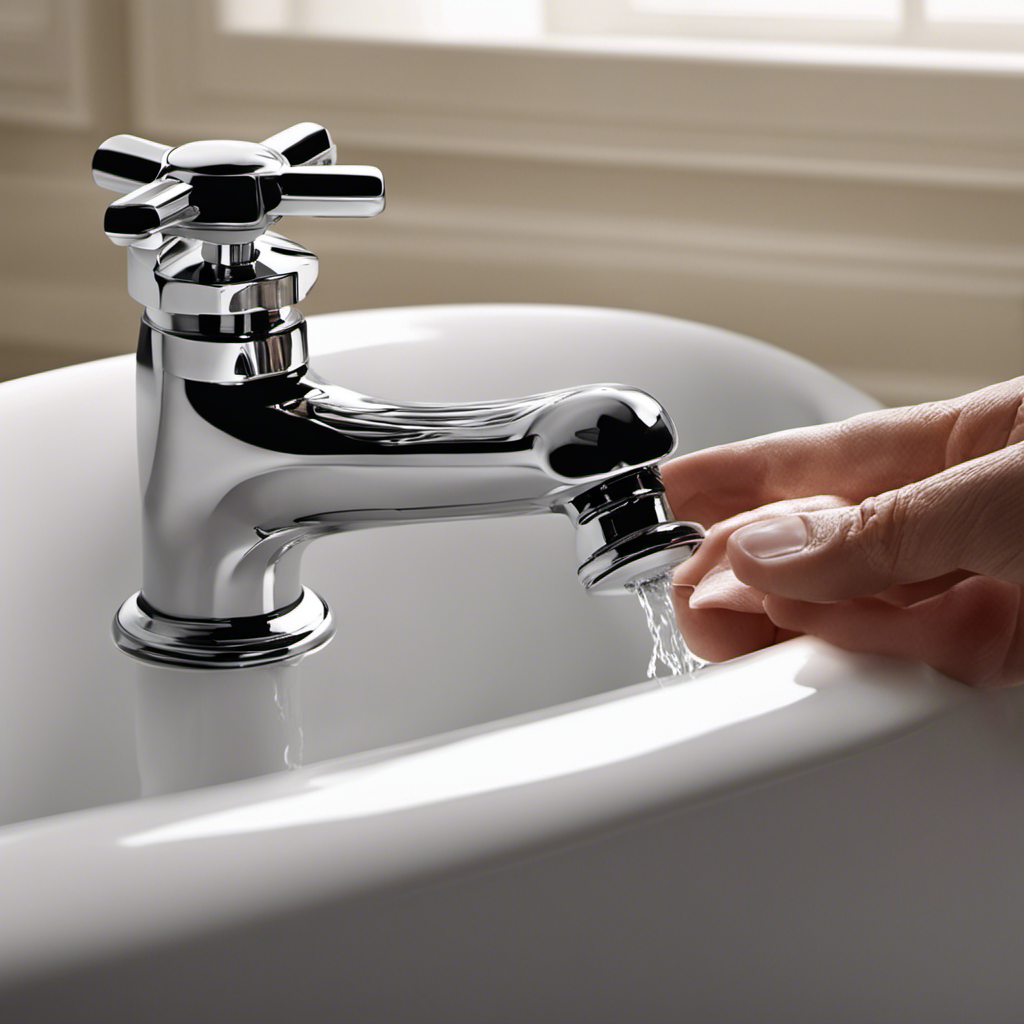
(908, 282)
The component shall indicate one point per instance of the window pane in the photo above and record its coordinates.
(255, 15)
(976, 10)
(448, 20)
(818, 9)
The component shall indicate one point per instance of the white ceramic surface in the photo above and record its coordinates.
(499, 821)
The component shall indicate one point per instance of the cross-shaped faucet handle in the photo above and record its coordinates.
(229, 192)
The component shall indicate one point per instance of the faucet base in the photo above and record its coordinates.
(143, 633)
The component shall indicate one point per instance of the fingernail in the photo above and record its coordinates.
(774, 537)
(680, 576)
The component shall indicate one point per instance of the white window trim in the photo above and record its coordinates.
(910, 26)
(762, 108)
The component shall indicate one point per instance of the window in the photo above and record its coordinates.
(987, 24)
(993, 24)
(504, 21)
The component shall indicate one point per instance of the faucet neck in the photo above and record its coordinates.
(247, 348)
(218, 291)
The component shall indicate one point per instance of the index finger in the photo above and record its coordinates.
(854, 459)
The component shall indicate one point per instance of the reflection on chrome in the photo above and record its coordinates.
(246, 454)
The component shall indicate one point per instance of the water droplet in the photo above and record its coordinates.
(284, 699)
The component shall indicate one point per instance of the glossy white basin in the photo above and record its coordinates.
(520, 828)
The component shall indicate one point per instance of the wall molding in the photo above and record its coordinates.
(601, 238)
(911, 121)
(903, 321)
(500, 234)
(908, 277)
(43, 67)
(79, 326)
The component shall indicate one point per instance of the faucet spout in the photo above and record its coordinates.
(241, 478)
(246, 455)
(443, 461)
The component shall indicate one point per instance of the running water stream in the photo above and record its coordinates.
(670, 650)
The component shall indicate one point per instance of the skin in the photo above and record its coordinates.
(915, 537)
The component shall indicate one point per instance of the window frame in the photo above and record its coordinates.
(625, 18)
(699, 103)
(910, 26)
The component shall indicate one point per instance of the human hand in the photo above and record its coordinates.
(896, 532)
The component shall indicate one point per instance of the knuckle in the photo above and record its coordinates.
(880, 530)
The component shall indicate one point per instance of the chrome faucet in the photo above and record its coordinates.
(246, 455)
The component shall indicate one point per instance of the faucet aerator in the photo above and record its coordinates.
(625, 532)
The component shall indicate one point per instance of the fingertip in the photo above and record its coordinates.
(788, 612)
(755, 561)
(684, 576)
(699, 487)
(717, 634)
(697, 566)
(721, 589)
(681, 600)
(805, 556)
(682, 487)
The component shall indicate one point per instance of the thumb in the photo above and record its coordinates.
(967, 517)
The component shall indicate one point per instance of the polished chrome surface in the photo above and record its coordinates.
(246, 455)
(640, 556)
(278, 347)
(625, 532)
(228, 255)
(305, 625)
(124, 162)
(233, 190)
(155, 207)
(178, 277)
(305, 144)
(237, 479)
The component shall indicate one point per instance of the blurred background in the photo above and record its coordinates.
(842, 178)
